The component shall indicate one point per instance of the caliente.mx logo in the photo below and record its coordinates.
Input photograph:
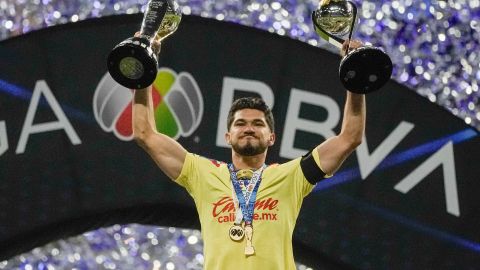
(177, 102)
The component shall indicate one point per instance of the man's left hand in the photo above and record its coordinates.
(355, 43)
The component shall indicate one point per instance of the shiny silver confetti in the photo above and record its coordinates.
(119, 247)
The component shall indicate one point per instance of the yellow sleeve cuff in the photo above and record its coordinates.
(317, 160)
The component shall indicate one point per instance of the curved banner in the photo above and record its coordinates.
(68, 163)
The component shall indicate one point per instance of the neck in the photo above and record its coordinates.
(248, 162)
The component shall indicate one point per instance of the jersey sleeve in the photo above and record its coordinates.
(316, 157)
(309, 179)
(189, 175)
(291, 172)
(303, 186)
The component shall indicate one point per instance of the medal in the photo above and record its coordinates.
(236, 232)
(244, 196)
(244, 174)
(249, 250)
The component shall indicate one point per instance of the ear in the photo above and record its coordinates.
(228, 138)
(271, 140)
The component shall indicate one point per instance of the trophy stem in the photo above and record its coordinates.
(153, 18)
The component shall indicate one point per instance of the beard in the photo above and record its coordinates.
(249, 149)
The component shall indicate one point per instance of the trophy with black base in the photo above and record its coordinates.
(362, 70)
(133, 63)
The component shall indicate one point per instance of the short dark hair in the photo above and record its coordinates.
(251, 103)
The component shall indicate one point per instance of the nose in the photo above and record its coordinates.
(250, 129)
(249, 132)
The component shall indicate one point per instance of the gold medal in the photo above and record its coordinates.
(249, 250)
(244, 174)
(236, 232)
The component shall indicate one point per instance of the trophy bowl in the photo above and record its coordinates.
(362, 70)
(335, 17)
(133, 63)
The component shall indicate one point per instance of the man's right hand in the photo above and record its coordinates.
(156, 45)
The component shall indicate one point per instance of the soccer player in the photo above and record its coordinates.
(248, 209)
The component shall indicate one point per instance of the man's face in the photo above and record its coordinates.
(249, 133)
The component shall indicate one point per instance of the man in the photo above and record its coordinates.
(247, 209)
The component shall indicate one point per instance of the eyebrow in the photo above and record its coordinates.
(256, 120)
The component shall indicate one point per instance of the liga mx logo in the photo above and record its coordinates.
(177, 103)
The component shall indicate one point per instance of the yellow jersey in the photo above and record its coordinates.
(279, 198)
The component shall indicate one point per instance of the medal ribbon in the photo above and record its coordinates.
(246, 198)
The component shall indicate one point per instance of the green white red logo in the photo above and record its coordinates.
(177, 102)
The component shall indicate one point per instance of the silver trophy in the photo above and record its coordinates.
(362, 70)
(134, 62)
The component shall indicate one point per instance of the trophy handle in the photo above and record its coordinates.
(334, 40)
(354, 7)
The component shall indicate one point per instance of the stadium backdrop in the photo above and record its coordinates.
(407, 197)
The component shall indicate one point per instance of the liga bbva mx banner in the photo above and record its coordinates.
(407, 197)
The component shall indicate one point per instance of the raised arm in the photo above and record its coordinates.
(167, 153)
(335, 150)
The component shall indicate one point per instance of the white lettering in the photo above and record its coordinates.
(294, 123)
(229, 86)
(445, 157)
(41, 87)
(3, 138)
(367, 162)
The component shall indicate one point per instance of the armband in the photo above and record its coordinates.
(310, 169)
